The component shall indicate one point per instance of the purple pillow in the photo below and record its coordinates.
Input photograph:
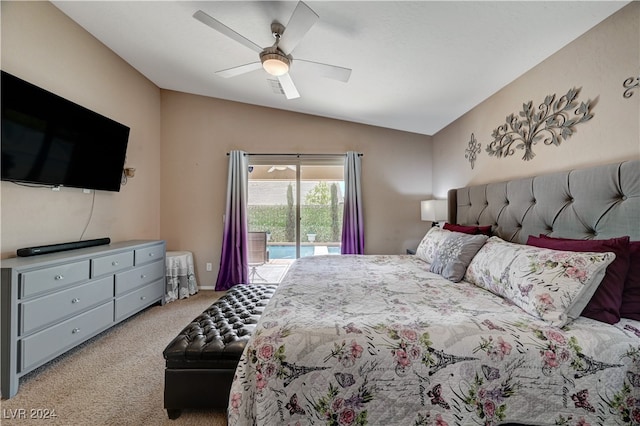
(486, 230)
(461, 228)
(468, 229)
(631, 296)
(606, 302)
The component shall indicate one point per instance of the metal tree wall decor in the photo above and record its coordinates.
(630, 84)
(552, 122)
(472, 150)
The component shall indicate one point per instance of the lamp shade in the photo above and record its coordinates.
(433, 210)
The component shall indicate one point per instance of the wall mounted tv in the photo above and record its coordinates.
(48, 140)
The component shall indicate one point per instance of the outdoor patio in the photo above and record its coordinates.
(271, 272)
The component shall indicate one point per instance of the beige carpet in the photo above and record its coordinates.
(116, 378)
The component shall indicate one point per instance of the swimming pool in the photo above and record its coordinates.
(289, 251)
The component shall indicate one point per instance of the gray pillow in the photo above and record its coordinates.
(455, 253)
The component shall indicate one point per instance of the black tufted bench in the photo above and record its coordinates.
(202, 359)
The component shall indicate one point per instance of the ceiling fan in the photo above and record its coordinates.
(276, 59)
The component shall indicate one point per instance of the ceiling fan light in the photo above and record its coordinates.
(275, 64)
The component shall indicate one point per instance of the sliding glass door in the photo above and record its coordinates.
(298, 202)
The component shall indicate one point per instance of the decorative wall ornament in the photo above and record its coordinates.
(630, 84)
(472, 150)
(552, 123)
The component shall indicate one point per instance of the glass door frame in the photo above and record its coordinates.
(299, 161)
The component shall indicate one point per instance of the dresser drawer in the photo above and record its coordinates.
(111, 264)
(55, 340)
(49, 279)
(138, 299)
(37, 313)
(129, 280)
(149, 254)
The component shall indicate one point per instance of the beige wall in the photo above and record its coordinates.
(197, 133)
(598, 62)
(179, 142)
(41, 45)
(178, 193)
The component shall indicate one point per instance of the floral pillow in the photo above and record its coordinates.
(606, 301)
(552, 285)
(430, 243)
(454, 254)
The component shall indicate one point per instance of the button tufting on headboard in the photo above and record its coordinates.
(601, 202)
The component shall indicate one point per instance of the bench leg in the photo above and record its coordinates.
(173, 413)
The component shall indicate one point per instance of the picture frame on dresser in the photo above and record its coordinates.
(53, 302)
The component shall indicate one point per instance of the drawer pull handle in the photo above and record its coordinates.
(143, 297)
(75, 300)
(75, 330)
(114, 263)
(58, 277)
(143, 276)
(151, 254)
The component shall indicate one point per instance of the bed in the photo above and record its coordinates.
(473, 329)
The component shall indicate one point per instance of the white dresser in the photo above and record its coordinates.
(53, 302)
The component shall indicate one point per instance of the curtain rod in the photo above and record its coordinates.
(297, 155)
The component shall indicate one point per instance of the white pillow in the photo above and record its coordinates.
(552, 285)
(430, 243)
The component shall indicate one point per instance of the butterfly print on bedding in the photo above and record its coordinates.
(345, 379)
(436, 397)
(581, 400)
(351, 328)
(490, 373)
(524, 291)
(293, 406)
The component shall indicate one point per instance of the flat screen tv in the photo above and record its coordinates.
(49, 140)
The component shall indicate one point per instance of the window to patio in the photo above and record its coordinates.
(298, 202)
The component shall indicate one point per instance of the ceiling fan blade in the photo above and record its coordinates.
(299, 24)
(222, 28)
(288, 87)
(242, 69)
(325, 70)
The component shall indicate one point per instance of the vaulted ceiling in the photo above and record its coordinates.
(416, 65)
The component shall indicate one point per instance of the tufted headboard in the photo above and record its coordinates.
(593, 203)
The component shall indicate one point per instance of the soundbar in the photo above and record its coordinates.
(53, 248)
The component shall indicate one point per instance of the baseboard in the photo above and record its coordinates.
(213, 288)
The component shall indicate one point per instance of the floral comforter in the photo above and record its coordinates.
(354, 340)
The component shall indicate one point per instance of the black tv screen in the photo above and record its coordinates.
(48, 140)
